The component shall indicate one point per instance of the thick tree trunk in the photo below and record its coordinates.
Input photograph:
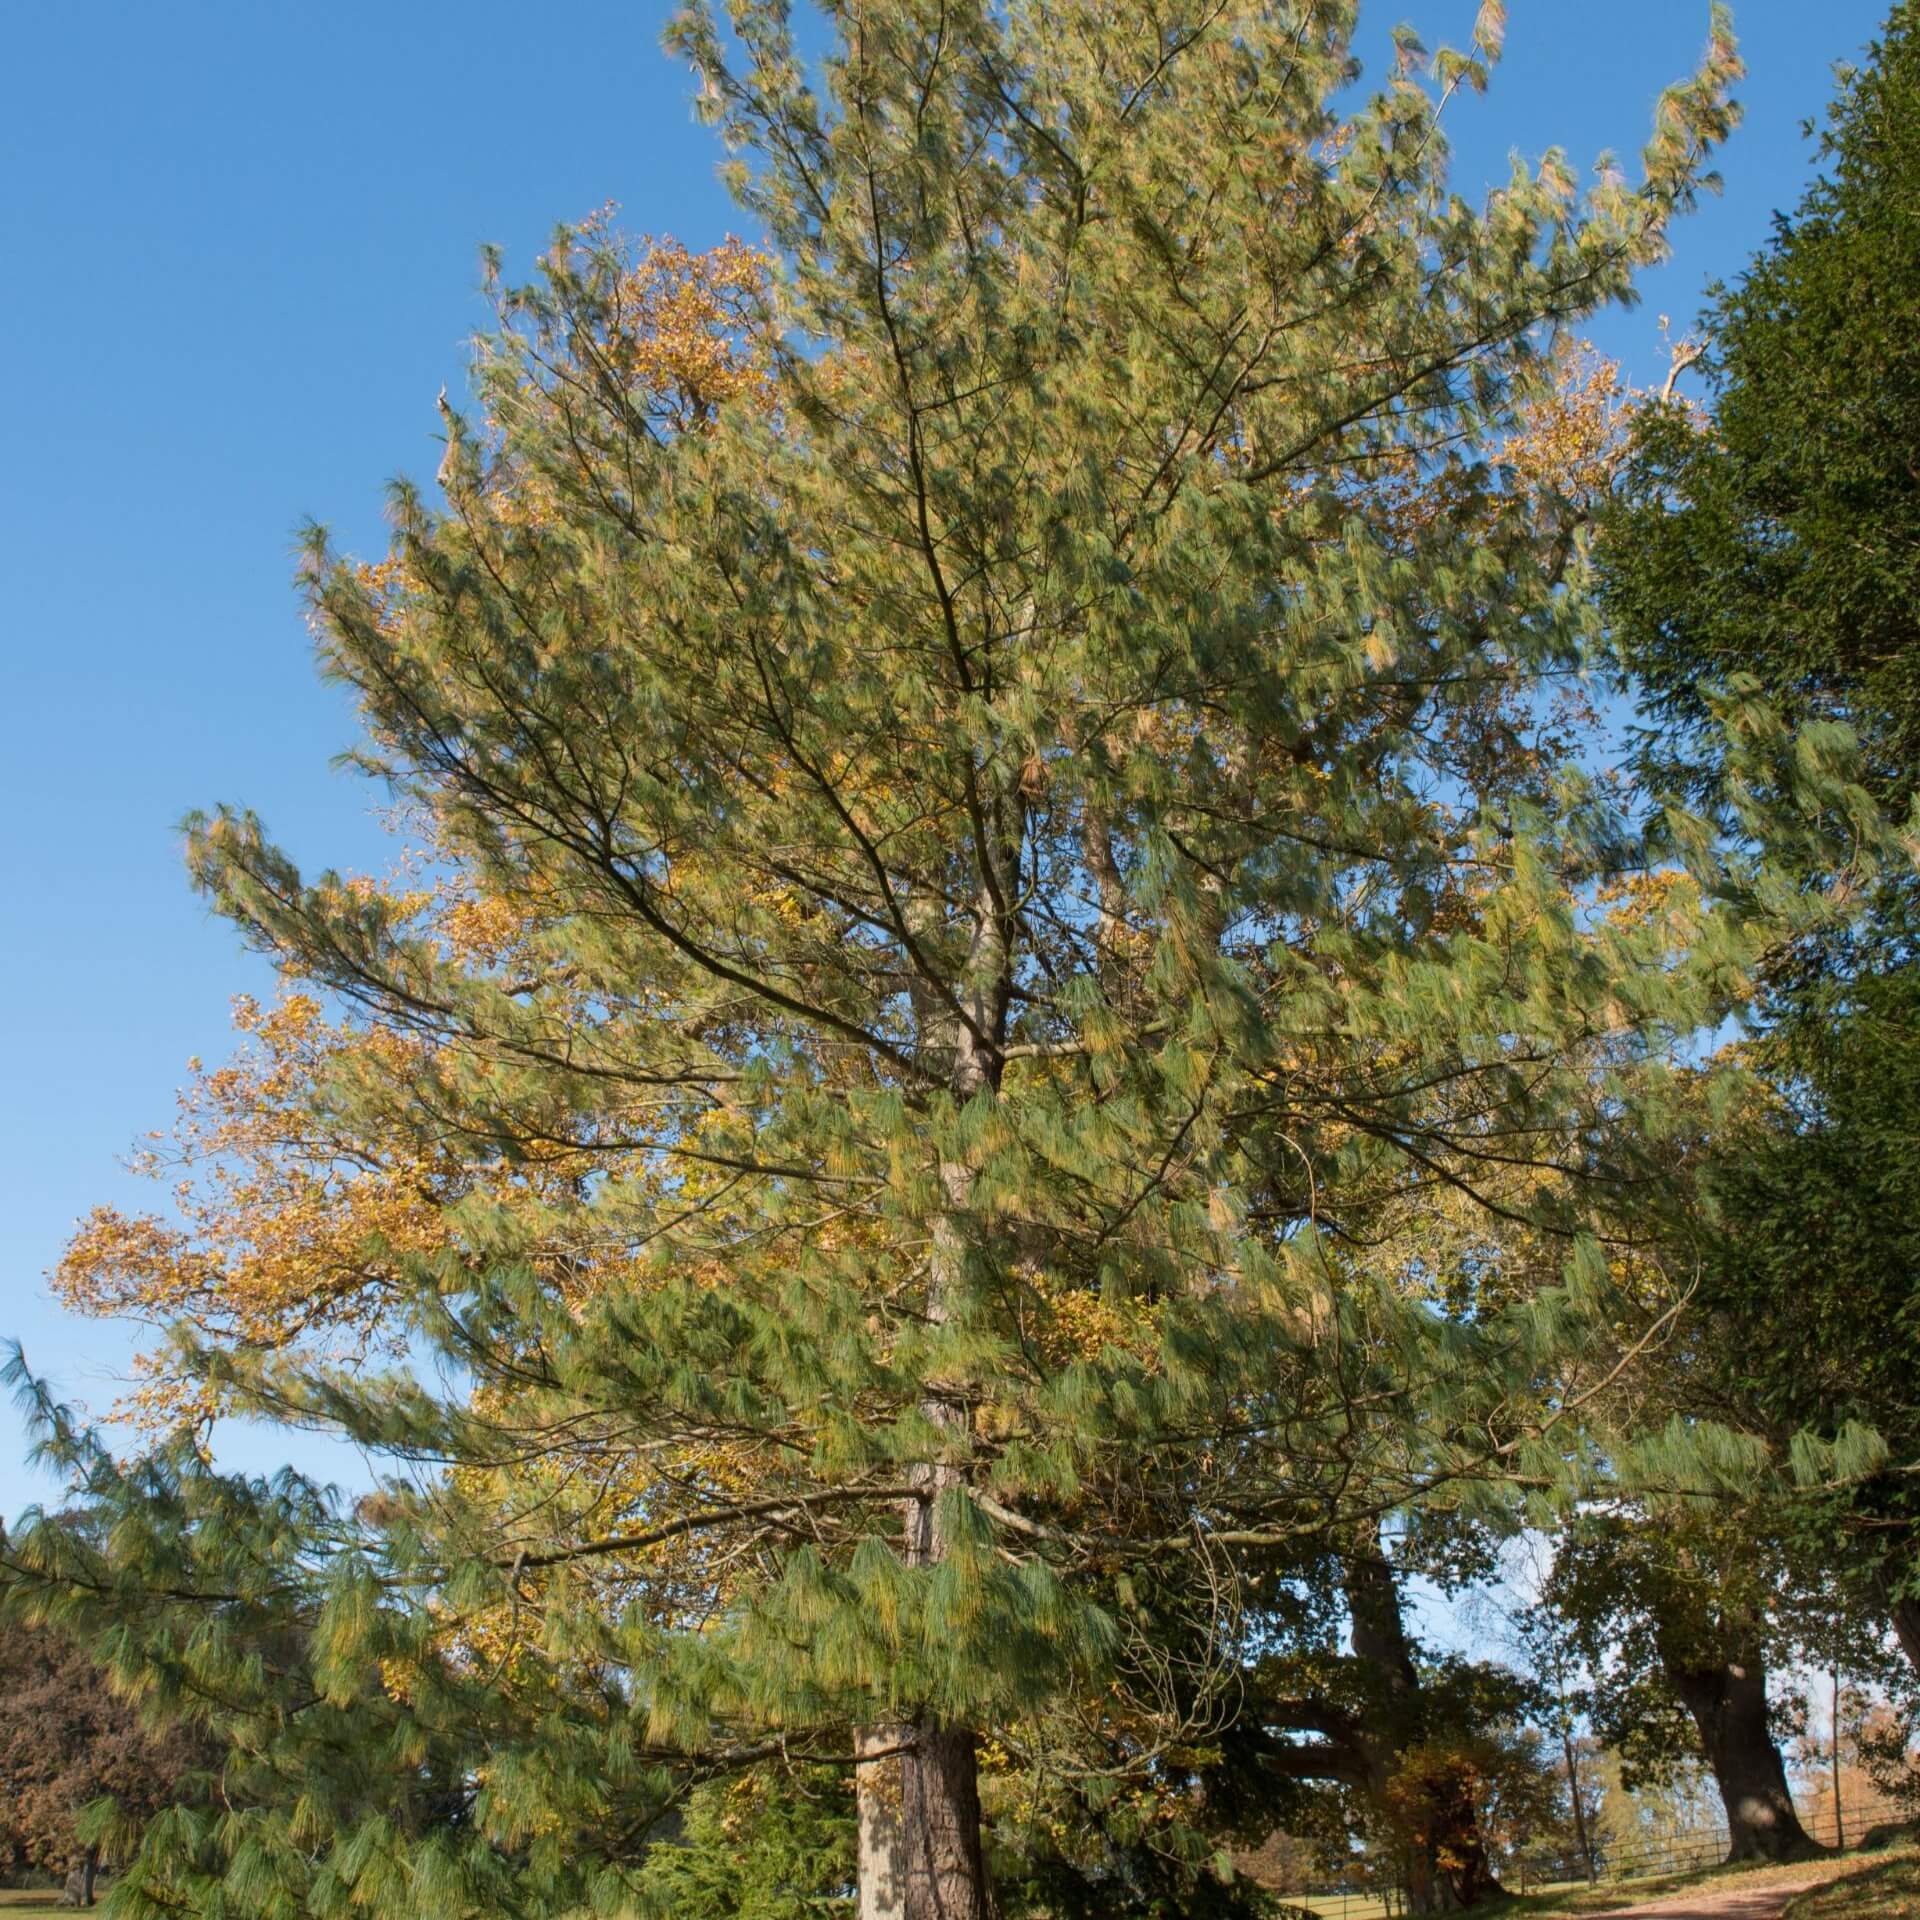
(943, 1866)
(1729, 1706)
(946, 1873)
(78, 1889)
(1903, 1614)
(920, 1856)
(1446, 1865)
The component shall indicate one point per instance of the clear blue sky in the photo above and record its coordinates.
(241, 238)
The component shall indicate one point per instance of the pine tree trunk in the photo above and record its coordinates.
(946, 1872)
(89, 1873)
(921, 1856)
(1729, 1706)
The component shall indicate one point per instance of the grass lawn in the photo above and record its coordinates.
(1864, 1887)
(1572, 1899)
(1610, 1896)
(1888, 1889)
(1553, 1899)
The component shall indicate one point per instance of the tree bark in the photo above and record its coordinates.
(945, 1868)
(1839, 1813)
(1903, 1614)
(944, 1874)
(1445, 1863)
(920, 1853)
(882, 1857)
(1581, 1837)
(1729, 1706)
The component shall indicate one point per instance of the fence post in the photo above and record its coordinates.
(1839, 1827)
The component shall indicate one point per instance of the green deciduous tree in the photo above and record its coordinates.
(1672, 1614)
(979, 887)
(1417, 1750)
(1807, 1294)
(1771, 546)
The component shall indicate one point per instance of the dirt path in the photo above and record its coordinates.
(1728, 1903)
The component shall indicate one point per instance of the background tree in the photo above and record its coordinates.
(772, 1845)
(1777, 539)
(1770, 546)
(1511, 1611)
(1808, 1282)
(69, 1745)
(1653, 1818)
(1421, 1753)
(1840, 1756)
(1673, 1620)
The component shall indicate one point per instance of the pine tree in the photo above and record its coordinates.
(772, 1846)
(980, 819)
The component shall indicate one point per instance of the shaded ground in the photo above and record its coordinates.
(1740, 1900)
(1726, 1893)
(1886, 1890)
(1846, 1887)
(1842, 1887)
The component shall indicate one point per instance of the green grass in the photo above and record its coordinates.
(1610, 1896)
(46, 1900)
(1569, 1899)
(1329, 1907)
(1889, 1889)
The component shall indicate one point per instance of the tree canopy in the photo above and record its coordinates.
(1767, 547)
(1777, 540)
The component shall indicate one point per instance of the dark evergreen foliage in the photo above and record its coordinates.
(1773, 549)
(1778, 542)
